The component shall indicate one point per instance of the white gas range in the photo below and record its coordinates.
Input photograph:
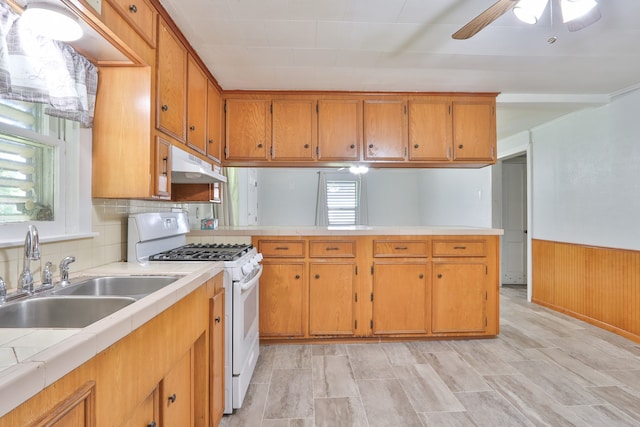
(161, 237)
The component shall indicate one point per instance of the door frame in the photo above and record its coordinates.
(523, 149)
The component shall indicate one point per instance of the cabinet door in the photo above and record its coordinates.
(214, 123)
(248, 129)
(282, 298)
(78, 410)
(140, 15)
(146, 414)
(217, 357)
(175, 394)
(400, 298)
(294, 129)
(171, 82)
(162, 183)
(385, 130)
(430, 129)
(331, 298)
(339, 129)
(196, 107)
(459, 295)
(474, 128)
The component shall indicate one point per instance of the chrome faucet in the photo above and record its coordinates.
(64, 269)
(31, 252)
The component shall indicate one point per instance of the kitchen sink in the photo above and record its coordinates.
(59, 311)
(130, 286)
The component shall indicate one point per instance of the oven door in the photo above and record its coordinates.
(246, 345)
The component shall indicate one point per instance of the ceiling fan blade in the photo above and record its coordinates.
(474, 26)
(591, 17)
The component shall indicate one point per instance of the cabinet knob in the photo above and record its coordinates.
(306, 145)
(352, 146)
(172, 398)
(260, 145)
(152, 424)
(218, 319)
(317, 276)
(421, 276)
(165, 107)
(297, 276)
(416, 146)
(370, 145)
(460, 146)
(192, 128)
(439, 276)
(211, 141)
(133, 9)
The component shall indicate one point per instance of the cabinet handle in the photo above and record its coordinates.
(401, 248)
(416, 146)
(370, 145)
(332, 248)
(172, 398)
(217, 319)
(421, 276)
(165, 107)
(151, 424)
(460, 247)
(165, 160)
(306, 145)
(192, 128)
(439, 276)
(352, 146)
(317, 276)
(133, 9)
(297, 276)
(460, 146)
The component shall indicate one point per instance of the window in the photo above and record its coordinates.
(39, 174)
(342, 201)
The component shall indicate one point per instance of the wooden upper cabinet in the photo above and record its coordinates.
(196, 107)
(171, 81)
(140, 15)
(214, 123)
(294, 129)
(248, 129)
(339, 129)
(430, 129)
(385, 130)
(474, 128)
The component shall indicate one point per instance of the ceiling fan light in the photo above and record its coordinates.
(529, 11)
(575, 9)
(51, 21)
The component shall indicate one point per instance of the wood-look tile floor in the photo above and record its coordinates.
(544, 369)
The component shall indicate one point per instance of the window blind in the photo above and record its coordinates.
(342, 202)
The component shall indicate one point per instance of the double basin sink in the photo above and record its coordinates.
(80, 304)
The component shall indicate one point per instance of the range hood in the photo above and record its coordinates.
(189, 169)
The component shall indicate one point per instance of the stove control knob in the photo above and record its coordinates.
(247, 268)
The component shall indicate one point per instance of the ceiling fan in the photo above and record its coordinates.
(577, 14)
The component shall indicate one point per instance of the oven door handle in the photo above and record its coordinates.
(253, 279)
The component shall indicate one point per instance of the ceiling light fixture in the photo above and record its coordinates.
(575, 9)
(529, 11)
(52, 21)
(357, 170)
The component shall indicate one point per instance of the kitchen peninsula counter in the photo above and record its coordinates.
(34, 358)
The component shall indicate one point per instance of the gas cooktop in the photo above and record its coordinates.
(204, 252)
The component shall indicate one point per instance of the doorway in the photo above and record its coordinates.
(514, 221)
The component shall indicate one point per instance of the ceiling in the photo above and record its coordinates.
(406, 45)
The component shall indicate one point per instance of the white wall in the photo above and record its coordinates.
(402, 197)
(586, 176)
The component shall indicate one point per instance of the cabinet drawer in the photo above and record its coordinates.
(400, 248)
(140, 15)
(332, 249)
(461, 248)
(281, 248)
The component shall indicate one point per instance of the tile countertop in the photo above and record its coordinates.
(353, 230)
(32, 359)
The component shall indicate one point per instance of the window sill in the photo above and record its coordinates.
(49, 239)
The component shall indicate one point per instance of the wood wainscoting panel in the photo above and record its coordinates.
(595, 284)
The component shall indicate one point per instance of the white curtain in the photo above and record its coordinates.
(363, 203)
(322, 214)
(38, 69)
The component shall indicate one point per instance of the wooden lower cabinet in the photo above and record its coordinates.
(332, 298)
(459, 297)
(400, 298)
(176, 394)
(352, 287)
(217, 357)
(147, 414)
(282, 299)
(77, 410)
